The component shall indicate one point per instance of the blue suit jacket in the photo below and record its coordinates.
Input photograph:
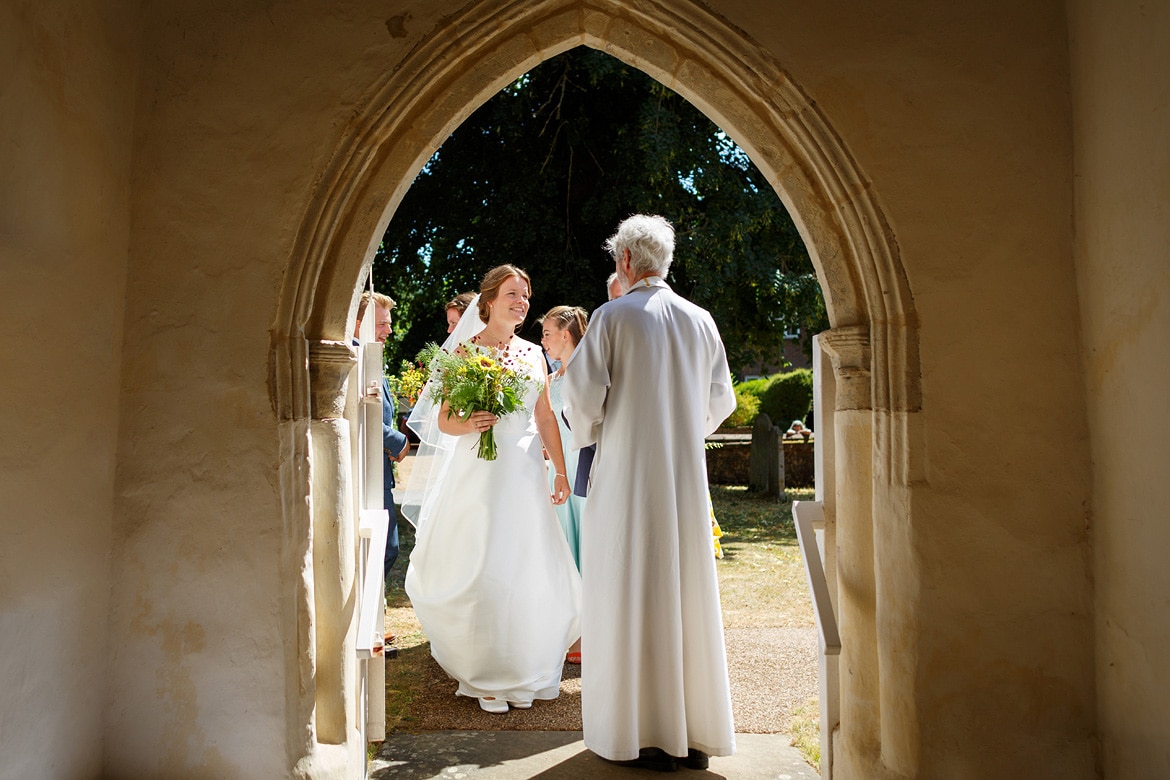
(584, 466)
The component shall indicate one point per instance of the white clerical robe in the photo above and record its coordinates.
(648, 383)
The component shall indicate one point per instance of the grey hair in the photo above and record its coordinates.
(650, 241)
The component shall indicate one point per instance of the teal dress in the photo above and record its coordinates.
(568, 513)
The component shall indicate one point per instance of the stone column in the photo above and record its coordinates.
(898, 461)
(333, 542)
(824, 458)
(857, 746)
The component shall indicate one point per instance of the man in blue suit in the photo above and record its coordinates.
(395, 445)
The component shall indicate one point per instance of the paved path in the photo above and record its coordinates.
(561, 755)
(772, 671)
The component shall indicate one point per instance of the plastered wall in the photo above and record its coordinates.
(67, 91)
(960, 115)
(239, 111)
(152, 188)
(1121, 99)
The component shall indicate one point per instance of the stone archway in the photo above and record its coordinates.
(873, 340)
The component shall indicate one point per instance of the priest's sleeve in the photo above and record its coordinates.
(586, 384)
(721, 400)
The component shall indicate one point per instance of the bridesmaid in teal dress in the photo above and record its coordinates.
(562, 329)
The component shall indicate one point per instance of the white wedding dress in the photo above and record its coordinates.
(491, 577)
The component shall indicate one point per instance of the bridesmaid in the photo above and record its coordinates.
(562, 329)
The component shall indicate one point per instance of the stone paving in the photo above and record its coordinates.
(561, 755)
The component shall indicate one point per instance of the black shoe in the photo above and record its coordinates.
(696, 759)
(655, 759)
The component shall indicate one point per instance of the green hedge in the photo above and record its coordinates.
(754, 387)
(788, 397)
(783, 397)
(747, 406)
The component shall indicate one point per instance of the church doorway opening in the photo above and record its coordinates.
(870, 345)
(544, 171)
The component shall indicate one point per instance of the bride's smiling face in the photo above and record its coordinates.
(511, 303)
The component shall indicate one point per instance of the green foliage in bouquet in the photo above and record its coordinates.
(475, 379)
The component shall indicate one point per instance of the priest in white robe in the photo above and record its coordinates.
(647, 384)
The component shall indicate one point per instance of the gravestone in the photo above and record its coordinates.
(767, 458)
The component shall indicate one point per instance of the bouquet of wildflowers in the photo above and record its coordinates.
(472, 380)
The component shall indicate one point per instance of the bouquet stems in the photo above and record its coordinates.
(487, 444)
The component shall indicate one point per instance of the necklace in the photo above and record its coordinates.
(502, 346)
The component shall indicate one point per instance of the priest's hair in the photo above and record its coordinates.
(650, 240)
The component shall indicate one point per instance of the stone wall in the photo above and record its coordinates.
(68, 87)
(170, 170)
(730, 462)
(1121, 93)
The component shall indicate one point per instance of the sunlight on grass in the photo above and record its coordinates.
(403, 677)
(806, 732)
(403, 680)
(761, 576)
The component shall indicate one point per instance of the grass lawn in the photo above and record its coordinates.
(761, 577)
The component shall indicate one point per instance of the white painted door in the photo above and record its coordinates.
(373, 525)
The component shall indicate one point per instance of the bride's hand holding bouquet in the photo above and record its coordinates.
(476, 385)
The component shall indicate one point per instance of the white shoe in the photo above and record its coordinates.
(521, 705)
(493, 705)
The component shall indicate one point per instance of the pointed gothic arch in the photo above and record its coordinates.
(873, 341)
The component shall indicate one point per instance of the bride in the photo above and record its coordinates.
(491, 577)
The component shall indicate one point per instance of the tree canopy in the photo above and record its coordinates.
(541, 174)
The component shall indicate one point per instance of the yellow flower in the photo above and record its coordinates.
(485, 362)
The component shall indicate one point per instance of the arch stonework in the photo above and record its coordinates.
(873, 341)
